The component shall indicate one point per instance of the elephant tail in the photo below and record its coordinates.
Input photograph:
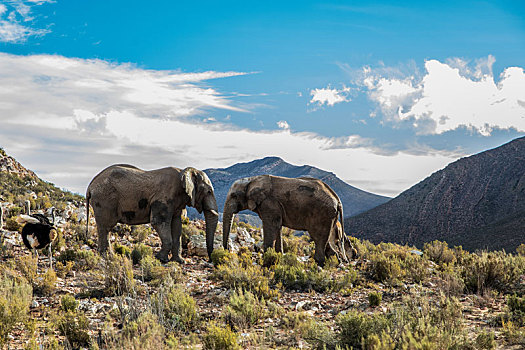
(88, 197)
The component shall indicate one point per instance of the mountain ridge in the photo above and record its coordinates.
(354, 200)
(475, 201)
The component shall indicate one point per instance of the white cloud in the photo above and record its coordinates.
(283, 124)
(329, 96)
(452, 95)
(69, 118)
(16, 21)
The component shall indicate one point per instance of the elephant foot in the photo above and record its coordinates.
(163, 257)
(178, 258)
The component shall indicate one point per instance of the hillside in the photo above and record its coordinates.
(354, 200)
(391, 297)
(18, 184)
(477, 202)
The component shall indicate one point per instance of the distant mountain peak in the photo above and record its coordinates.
(354, 200)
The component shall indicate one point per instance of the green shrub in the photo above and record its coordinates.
(485, 340)
(15, 297)
(68, 303)
(141, 232)
(521, 250)
(318, 334)
(241, 273)
(118, 273)
(121, 249)
(414, 323)
(415, 268)
(59, 243)
(244, 310)
(439, 252)
(46, 284)
(491, 270)
(355, 327)
(220, 338)
(450, 281)
(84, 259)
(383, 268)
(73, 325)
(220, 256)
(151, 268)
(145, 332)
(139, 252)
(28, 267)
(78, 230)
(516, 306)
(14, 212)
(178, 310)
(293, 274)
(62, 270)
(374, 298)
(12, 225)
(271, 258)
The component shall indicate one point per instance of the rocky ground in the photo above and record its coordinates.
(211, 296)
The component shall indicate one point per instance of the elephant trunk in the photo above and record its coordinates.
(212, 217)
(226, 226)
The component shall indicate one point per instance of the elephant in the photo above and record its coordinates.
(125, 194)
(304, 203)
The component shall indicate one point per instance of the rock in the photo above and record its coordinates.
(10, 243)
(300, 305)
(197, 246)
(416, 252)
(34, 304)
(244, 237)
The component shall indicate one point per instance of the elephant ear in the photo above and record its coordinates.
(258, 190)
(189, 183)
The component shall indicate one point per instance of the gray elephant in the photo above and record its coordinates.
(126, 194)
(304, 203)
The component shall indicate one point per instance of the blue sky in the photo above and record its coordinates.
(382, 93)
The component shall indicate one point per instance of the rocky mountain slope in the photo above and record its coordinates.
(477, 202)
(354, 200)
(19, 184)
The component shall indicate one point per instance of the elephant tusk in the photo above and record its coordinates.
(214, 212)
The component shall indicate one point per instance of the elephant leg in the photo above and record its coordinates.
(164, 231)
(103, 243)
(176, 232)
(279, 242)
(103, 228)
(271, 217)
(161, 217)
(271, 233)
(321, 240)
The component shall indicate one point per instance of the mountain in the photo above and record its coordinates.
(477, 202)
(354, 200)
(18, 184)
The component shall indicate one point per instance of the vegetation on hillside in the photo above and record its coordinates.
(390, 297)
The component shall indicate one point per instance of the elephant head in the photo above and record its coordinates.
(199, 189)
(247, 193)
